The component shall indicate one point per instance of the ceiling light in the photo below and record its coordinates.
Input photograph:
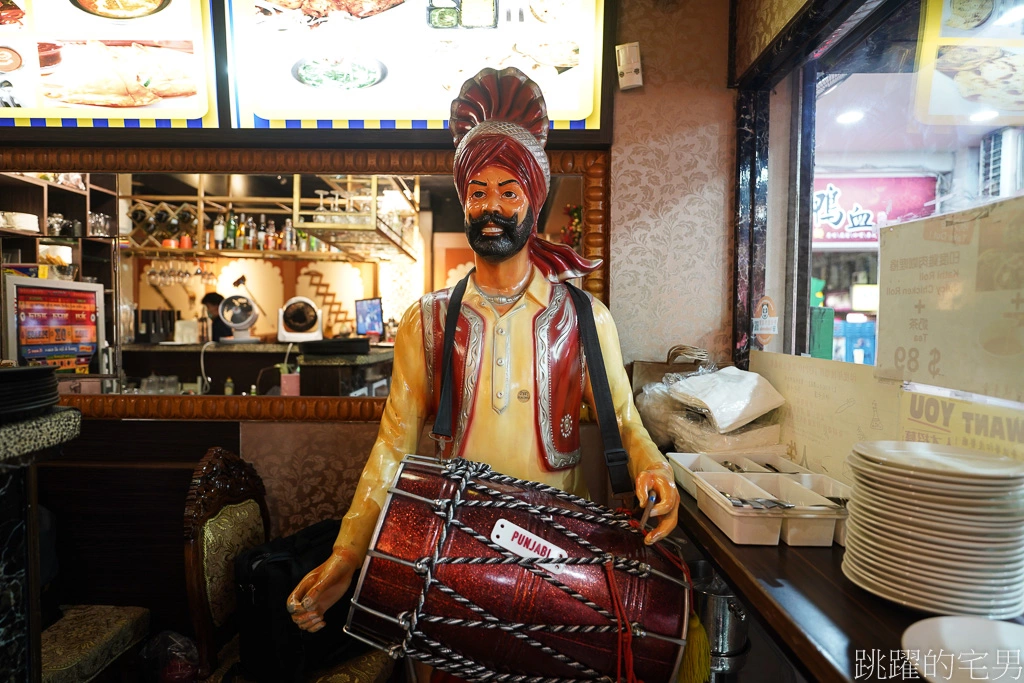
(1011, 16)
(850, 116)
(986, 115)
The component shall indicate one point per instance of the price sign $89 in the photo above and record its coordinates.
(910, 359)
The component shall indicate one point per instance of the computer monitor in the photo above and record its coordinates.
(54, 322)
(369, 316)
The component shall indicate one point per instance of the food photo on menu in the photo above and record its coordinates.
(121, 58)
(988, 19)
(344, 55)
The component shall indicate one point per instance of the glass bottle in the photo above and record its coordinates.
(270, 238)
(251, 230)
(229, 387)
(232, 231)
(289, 235)
(261, 234)
(219, 232)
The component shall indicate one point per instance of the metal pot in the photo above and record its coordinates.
(722, 614)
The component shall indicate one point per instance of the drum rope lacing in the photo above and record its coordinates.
(439, 656)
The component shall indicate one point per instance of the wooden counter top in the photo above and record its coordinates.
(818, 617)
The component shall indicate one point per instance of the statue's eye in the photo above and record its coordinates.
(510, 194)
(479, 194)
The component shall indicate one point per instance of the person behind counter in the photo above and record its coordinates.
(219, 328)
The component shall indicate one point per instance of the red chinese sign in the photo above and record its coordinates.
(57, 327)
(847, 212)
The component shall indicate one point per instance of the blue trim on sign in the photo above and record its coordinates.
(419, 124)
(69, 123)
(131, 123)
(578, 125)
(324, 123)
(194, 123)
(162, 123)
(292, 123)
(387, 124)
(257, 122)
(37, 123)
(6, 123)
(445, 123)
(100, 123)
(355, 123)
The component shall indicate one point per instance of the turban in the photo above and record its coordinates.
(500, 119)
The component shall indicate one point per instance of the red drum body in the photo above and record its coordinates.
(492, 578)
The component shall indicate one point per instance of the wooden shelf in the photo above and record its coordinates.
(164, 252)
(103, 190)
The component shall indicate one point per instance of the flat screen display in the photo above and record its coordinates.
(51, 322)
(369, 317)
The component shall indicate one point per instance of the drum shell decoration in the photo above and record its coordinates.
(389, 590)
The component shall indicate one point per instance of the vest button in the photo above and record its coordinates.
(501, 394)
(501, 330)
(501, 361)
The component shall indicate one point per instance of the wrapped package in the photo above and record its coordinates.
(730, 397)
(656, 406)
(694, 433)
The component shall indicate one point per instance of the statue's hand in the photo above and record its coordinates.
(661, 481)
(320, 589)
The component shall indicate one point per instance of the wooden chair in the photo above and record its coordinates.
(226, 514)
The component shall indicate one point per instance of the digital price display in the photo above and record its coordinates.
(57, 324)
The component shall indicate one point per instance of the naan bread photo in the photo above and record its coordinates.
(97, 77)
(969, 14)
(563, 54)
(999, 83)
(961, 57)
(165, 72)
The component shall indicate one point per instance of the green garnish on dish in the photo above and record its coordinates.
(346, 73)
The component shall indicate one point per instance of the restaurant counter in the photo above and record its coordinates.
(336, 375)
(824, 623)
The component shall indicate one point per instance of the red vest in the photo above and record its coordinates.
(558, 364)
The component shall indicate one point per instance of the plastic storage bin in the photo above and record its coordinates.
(812, 521)
(824, 485)
(743, 526)
(685, 464)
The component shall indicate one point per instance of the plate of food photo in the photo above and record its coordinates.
(121, 9)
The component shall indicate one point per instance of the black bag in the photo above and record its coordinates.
(272, 649)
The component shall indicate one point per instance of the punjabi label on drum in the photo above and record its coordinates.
(518, 540)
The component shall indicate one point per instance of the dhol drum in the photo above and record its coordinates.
(493, 578)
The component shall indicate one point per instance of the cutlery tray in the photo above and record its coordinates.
(685, 464)
(824, 485)
(803, 525)
(743, 526)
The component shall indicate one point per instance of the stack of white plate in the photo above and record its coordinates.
(937, 528)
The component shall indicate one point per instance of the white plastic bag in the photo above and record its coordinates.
(730, 398)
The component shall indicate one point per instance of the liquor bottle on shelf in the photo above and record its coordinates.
(250, 233)
(261, 234)
(232, 231)
(270, 237)
(289, 235)
(219, 232)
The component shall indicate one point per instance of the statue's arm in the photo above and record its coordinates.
(648, 467)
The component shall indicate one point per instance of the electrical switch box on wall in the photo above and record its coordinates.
(627, 59)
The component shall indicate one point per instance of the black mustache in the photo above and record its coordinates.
(502, 221)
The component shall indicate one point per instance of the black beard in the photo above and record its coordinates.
(497, 248)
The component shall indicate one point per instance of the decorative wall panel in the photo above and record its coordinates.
(672, 182)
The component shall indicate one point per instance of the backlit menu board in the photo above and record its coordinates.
(57, 325)
(400, 63)
(107, 63)
(971, 58)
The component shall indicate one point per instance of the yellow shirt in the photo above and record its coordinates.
(503, 431)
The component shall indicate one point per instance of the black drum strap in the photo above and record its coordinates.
(615, 456)
(443, 421)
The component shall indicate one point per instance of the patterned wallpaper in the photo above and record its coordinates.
(672, 182)
(757, 23)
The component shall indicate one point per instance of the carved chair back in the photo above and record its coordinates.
(225, 514)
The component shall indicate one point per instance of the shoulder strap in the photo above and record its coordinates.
(614, 454)
(443, 421)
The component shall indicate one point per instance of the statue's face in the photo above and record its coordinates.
(499, 218)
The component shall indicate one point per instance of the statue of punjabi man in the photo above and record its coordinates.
(520, 375)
